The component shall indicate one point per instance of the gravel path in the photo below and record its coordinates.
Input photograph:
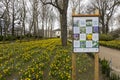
(112, 55)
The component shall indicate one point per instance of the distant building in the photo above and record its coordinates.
(57, 33)
(51, 33)
(47, 33)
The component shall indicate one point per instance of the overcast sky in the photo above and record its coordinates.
(56, 23)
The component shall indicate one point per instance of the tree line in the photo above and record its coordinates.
(37, 17)
(17, 13)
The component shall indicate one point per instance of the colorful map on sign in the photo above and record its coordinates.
(85, 34)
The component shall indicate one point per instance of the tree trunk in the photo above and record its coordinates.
(34, 20)
(0, 30)
(24, 15)
(46, 29)
(62, 8)
(37, 27)
(35, 16)
(23, 25)
(51, 30)
(48, 32)
(103, 28)
(13, 24)
(63, 20)
(13, 19)
(107, 28)
(42, 32)
(42, 28)
(8, 18)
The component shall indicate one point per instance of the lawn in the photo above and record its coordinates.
(42, 60)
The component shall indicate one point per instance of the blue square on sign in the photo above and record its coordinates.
(95, 29)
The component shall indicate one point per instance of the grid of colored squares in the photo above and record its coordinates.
(86, 33)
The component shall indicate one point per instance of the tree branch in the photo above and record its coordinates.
(51, 3)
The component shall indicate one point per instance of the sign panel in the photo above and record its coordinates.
(85, 34)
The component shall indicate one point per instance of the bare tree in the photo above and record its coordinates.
(32, 20)
(52, 18)
(35, 17)
(42, 15)
(45, 13)
(13, 16)
(118, 20)
(11, 13)
(6, 16)
(106, 9)
(75, 4)
(62, 6)
(23, 15)
(46, 20)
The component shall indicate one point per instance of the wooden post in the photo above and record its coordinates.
(97, 11)
(73, 61)
(96, 56)
(73, 66)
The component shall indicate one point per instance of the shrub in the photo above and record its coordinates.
(105, 67)
(106, 37)
(107, 70)
(112, 44)
(28, 35)
(10, 37)
(1, 38)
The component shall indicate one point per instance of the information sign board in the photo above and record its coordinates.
(85, 34)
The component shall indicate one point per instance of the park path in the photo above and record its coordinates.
(111, 55)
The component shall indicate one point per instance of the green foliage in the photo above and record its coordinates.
(7, 38)
(107, 70)
(1, 38)
(105, 67)
(28, 35)
(112, 44)
(106, 37)
(10, 37)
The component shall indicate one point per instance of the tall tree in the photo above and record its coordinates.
(75, 4)
(46, 20)
(62, 6)
(118, 20)
(43, 15)
(106, 9)
(23, 13)
(6, 16)
(52, 18)
(35, 16)
(13, 16)
(43, 18)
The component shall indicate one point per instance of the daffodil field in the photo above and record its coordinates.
(111, 44)
(41, 60)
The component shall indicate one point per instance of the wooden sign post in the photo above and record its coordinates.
(96, 73)
(85, 39)
(73, 59)
(73, 66)
(96, 56)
